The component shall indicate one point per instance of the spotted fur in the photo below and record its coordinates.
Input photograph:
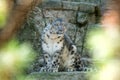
(59, 52)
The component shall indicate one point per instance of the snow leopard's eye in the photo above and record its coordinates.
(56, 24)
(55, 56)
(46, 56)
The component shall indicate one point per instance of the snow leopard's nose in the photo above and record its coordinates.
(60, 28)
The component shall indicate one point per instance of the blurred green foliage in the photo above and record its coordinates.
(14, 58)
(3, 12)
(105, 46)
(100, 43)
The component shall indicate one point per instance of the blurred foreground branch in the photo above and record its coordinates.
(18, 10)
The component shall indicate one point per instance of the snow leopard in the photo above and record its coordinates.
(59, 51)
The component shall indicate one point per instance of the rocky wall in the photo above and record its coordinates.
(59, 76)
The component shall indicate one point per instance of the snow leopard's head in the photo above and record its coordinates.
(58, 27)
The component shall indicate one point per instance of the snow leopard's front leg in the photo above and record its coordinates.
(51, 63)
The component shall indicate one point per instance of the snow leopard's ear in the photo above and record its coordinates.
(62, 23)
(49, 25)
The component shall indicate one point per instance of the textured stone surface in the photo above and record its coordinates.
(82, 17)
(59, 76)
(89, 1)
(87, 7)
(70, 5)
(67, 16)
(52, 4)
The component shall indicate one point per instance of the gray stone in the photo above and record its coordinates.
(87, 7)
(82, 17)
(89, 1)
(54, 4)
(91, 19)
(67, 16)
(59, 76)
(81, 6)
(70, 5)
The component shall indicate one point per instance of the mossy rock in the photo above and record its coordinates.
(59, 76)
